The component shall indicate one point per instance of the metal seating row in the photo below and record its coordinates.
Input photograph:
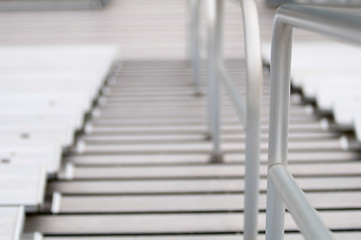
(331, 78)
(45, 95)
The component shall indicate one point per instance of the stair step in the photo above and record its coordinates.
(126, 159)
(193, 203)
(187, 186)
(12, 221)
(207, 171)
(112, 224)
(206, 147)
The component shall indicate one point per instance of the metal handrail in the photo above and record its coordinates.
(232, 91)
(247, 113)
(281, 187)
(194, 38)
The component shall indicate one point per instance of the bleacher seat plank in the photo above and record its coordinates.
(11, 222)
(33, 154)
(170, 223)
(208, 171)
(194, 203)
(177, 129)
(195, 138)
(22, 185)
(330, 145)
(109, 113)
(126, 159)
(179, 121)
(328, 183)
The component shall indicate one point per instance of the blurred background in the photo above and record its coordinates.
(142, 29)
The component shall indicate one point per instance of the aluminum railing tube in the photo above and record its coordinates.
(215, 22)
(195, 8)
(301, 210)
(253, 118)
(332, 22)
(247, 113)
(278, 130)
(238, 104)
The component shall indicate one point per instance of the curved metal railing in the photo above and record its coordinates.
(282, 188)
(249, 112)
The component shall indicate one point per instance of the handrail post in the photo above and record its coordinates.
(336, 23)
(195, 8)
(215, 17)
(253, 116)
(278, 126)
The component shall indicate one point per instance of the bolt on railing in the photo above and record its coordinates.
(249, 112)
(281, 187)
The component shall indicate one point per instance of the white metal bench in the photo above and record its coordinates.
(22, 185)
(45, 93)
(12, 221)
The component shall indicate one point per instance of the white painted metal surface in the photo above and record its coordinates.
(31, 148)
(22, 185)
(11, 223)
(323, 65)
(32, 155)
(23, 125)
(42, 105)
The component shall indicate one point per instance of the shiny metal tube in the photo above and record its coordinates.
(332, 22)
(215, 21)
(195, 8)
(305, 215)
(238, 104)
(247, 113)
(253, 118)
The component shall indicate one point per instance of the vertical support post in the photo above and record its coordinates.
(215, 17)
(253, 116)
(195, 7)
(211, 18)
(188, 32)
(278, 126)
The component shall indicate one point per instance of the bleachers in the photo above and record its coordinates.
(328, 74)
(12, 220)
(46, 94)
(22, 185)
(90, 148)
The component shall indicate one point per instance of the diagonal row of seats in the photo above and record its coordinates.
(328, 74)
(46, 93)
